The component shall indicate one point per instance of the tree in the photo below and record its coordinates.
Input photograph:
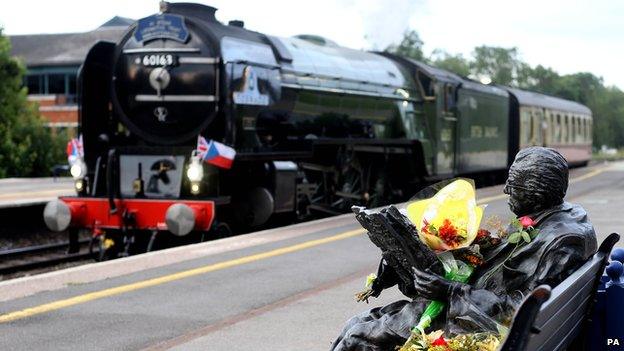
(542, 79)
(501, 65)
(27, 147)
(410, 46)
(454, 63)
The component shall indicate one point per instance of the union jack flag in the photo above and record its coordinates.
(215, 153)
(75, 149)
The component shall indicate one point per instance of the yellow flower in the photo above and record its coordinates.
(455, 202)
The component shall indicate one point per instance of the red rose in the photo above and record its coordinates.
(526, 221)
(482, 233)
(439, 342)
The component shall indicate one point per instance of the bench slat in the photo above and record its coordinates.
(561, 316)
(565, 304)
(554, 336)
(565, 291)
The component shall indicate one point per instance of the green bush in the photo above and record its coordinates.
(27, 147)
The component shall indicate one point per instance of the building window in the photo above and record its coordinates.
(56, 84)
(72, 84)
(34, 83)
(52, 83)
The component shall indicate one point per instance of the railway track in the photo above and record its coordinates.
(28, 258)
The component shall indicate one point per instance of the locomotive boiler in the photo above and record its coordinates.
(315, 127)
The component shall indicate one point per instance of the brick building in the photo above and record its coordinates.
(52, 62)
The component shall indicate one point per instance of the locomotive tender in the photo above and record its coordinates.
(316, 128)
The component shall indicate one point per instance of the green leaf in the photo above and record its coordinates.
(515, 222)
(370, 279)
(514, 238)
(526, 237)
(533, 233)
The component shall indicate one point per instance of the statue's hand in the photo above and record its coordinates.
(432, 286)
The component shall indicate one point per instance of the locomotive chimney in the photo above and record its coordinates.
(236, 23)
(187, 9)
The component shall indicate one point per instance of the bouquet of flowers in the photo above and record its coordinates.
(448, 223)
(435, 341)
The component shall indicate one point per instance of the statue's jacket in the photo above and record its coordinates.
(566, 240)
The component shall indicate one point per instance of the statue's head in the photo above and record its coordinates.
(538, 180)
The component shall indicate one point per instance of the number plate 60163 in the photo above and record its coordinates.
(159, 60)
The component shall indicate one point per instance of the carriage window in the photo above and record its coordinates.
(564, 129)
(546, 126)
(570, 129)
(531, 131)
(553, 126)
(579, 130)
(559, 128)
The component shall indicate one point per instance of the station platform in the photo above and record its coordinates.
(290, 288)
(17, 192)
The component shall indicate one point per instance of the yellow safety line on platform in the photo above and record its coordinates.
(8, 317)
(588, 175)
(485, 200)
(171, 277)
(574, 180)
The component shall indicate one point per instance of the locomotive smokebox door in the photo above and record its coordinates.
(166, 79)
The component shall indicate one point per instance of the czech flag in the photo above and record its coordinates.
(215, 153)
(74, 149)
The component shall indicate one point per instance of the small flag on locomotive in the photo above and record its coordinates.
(215, 153)
(74, 149)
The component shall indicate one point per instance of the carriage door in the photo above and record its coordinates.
(448, 124)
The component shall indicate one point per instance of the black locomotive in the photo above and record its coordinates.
(316, 128)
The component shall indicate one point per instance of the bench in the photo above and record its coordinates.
(557, 319)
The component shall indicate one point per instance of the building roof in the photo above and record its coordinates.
(66, 49)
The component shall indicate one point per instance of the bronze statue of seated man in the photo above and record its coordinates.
(537, 184)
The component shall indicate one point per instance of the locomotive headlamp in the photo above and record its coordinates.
(78, 169)
(194, 188)
(195, 171)
(79, 185)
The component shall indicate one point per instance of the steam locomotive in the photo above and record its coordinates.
(316, 128)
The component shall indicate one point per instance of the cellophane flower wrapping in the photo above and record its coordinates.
(447, 218)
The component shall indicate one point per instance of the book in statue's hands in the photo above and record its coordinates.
(398, 240)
